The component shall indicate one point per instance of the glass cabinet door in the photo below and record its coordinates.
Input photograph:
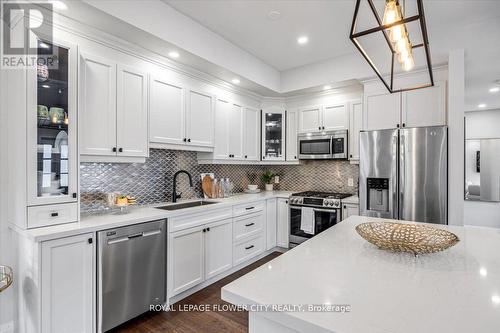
(52, 137)
(273, 136)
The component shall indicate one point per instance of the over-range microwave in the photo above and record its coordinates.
(323, 145)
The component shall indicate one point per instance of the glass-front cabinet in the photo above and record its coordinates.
(52, 130)
(273, 134)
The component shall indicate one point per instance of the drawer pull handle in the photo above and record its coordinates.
(54, 214)
(249, 224)
(249, 247)
(249, 208)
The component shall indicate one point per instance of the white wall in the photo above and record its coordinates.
(482, 125)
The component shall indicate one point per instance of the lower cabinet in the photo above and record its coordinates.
(283, 223)
(248, 249)
(271, 225)
(68, 284)
(349, 209)
(199, 253)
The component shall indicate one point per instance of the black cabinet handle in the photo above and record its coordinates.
(263, 157)
(90, 240)
(350, 156)
(204, 230)
(249, 247)
(114, 149)
(295, 157)
(286, 201)
(397, 125)
(189, 140)
(404, 125)
(249, 208)
(120, 150)
(249, 224)
(184, 139)
(323, 127)
(54, 214)
(319, 127)
(345, 207)
(208, 229)
(246, 156)
(74, 195)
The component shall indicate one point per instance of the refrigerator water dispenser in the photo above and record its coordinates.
(378, 194)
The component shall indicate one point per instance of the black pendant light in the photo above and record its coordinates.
(394, 29)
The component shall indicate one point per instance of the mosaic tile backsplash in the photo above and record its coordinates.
(151, 182)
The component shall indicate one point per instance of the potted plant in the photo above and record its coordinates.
(267, 178)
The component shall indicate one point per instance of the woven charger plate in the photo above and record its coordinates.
(401, 237)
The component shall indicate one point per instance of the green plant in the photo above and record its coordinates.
(267, 177)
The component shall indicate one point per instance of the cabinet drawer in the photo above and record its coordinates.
(191, 220)
(249, 249)
(249, 208)
(41, 216)
(247, 226)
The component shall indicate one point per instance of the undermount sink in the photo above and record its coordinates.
(187, 205)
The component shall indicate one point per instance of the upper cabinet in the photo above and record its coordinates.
(113, 111)
(273, 135)
(235, 131)
(51, 142)
(291, 135)
(180, 117)
(414, 108)
(251, 134)
(323, 118)
(355, 124)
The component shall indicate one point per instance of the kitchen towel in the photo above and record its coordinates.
(307, 220)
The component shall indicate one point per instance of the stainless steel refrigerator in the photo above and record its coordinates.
(403, 174)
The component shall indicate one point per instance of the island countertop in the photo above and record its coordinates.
(457, 290)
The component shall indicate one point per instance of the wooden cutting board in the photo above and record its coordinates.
(206, 185)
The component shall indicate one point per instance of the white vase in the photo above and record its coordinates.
(269, 187)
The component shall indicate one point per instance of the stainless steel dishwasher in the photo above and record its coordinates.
(131, 272)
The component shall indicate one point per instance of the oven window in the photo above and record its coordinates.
(315, 147)
(338, 145)
(323, 220)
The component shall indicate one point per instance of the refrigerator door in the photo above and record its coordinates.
(378, 174)
(423, 168)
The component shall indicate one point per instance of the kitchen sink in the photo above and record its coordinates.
(187, 205)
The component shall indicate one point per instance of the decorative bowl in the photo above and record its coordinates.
(252, 187)
(403, 237)
(6, 277)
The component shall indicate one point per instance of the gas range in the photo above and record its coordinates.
(318, 199)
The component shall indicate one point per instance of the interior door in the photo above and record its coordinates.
(166, 123)
(235, 131)
(251, 134)
(200, 119)
(97, 105)
(423, 187)
(218, 247)
(335, 117)
(132, 112)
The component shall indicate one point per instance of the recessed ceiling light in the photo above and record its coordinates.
(327, 87)
(274, 15)
(59, 5)
(173, 54)
(46, 86)
(483, 271)
(43, 45)
(482, 105)
(494, 89)
(235, 81)
(495, 299)
(302, 40)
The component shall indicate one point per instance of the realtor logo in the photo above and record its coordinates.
(23, 25)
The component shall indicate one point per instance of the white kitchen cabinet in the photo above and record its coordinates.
(291, 135)
(349, 209)
(335, 117)
(310, 119)
(218, 247)
(113, 109)
(199, 118)
(68, 284)
(251, 133)
(271, 223)
(381, 110)
(132, 112)
(424, 107)
(221, 144)
(97, 105)
(273, 134)
(187, 254)
(166, 100)
(355, 124)
(235, 132)
(283, 223)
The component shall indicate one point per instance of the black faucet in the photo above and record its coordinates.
(176, 195)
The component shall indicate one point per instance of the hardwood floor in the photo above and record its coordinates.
(192, 321)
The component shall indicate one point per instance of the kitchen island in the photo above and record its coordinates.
(457, 290)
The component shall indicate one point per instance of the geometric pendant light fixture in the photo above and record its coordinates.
(394, 27)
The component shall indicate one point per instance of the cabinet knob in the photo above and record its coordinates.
(246, 156)
(350, 155)
(397, 125)
(54, 214)
(345, 207)
(319, 128)
(295, 157)
(263, 157)
(204, 230)
(120, 150)
(74, 195)
(404, 125)
(323, 127)
(184, 139)
(189, 140)
(90, 240)
(114, 149)
(208, 229)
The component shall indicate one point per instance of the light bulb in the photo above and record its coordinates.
(408, 64)
(397, 33)
(390, 12)
(401, 45)
(403, 55)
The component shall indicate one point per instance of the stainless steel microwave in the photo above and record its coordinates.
(323, 146)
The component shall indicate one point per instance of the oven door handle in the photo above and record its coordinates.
(325, 210)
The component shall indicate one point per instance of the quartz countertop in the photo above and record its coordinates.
(140, 214)
(454, 291)
(353, 199)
